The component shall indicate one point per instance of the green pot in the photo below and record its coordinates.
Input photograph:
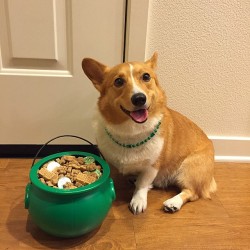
(69, 213)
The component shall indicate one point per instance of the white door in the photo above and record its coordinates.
(43, 91)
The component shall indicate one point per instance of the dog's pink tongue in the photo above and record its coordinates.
(140, 115)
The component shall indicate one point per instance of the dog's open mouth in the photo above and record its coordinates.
(139, 116)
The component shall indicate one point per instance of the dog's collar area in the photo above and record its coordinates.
(135, 145)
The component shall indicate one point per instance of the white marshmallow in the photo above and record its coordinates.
(52, 165)
(62, 181)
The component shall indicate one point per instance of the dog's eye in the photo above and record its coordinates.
(119, 82)
(146, 77)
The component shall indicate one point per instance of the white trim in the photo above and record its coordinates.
(231, 148)
(240, 159)
(136, 32)
(230, 138)
(34, 72)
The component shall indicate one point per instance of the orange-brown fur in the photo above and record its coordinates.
(187, 155)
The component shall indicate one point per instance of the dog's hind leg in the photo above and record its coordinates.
(174, 204)
(195, 179)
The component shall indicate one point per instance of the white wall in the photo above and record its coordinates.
(204, 65)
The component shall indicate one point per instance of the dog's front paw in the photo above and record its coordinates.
(173, 205)
(138, 204)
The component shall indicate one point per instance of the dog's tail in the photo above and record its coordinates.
(205, 193)
(213, 186)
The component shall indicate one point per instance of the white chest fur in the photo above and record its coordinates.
(129, 160)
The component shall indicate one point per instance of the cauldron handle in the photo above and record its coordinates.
(27, 196)
(60, 136)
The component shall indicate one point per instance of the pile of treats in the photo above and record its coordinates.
(69, 172)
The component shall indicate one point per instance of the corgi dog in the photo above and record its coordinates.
(138, 134)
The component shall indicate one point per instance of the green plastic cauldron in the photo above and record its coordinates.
(69, 213)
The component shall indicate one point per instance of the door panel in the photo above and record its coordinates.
(35, 37)
(43, 91)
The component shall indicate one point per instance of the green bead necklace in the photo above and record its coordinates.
(138, 143)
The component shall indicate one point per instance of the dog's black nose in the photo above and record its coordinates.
(138, 99)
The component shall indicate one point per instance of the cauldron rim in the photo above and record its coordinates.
(35, 180)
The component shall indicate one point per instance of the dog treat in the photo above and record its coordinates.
(69, 172)
(89, 159)
(85, 179)
(46, 175)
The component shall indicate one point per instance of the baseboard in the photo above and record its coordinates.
(227, 149)
(30, 150)
(231, 149)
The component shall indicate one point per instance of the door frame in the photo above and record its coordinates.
(136, 30)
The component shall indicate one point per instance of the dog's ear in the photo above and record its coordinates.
(95, 71)
(152, 62)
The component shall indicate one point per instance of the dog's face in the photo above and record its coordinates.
(127, 91)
